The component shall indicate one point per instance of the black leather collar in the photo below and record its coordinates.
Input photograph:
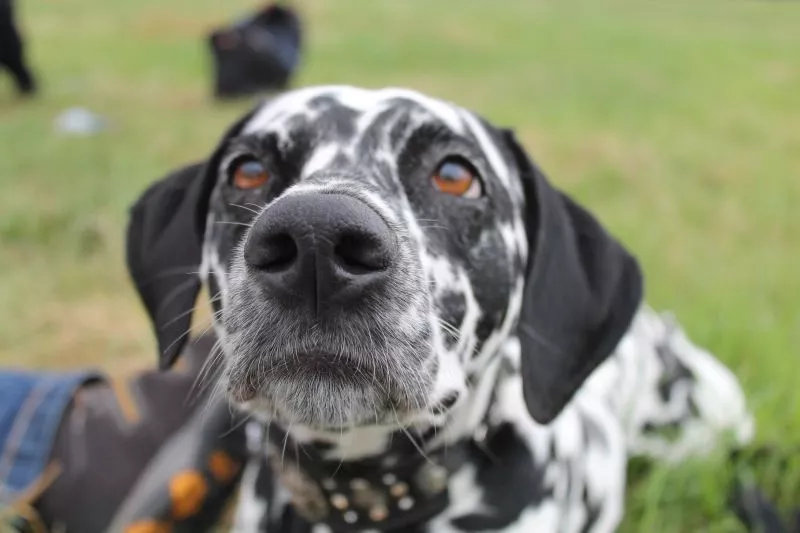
(380, 493)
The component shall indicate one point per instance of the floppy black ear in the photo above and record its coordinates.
(165, 245)
(164, 252)
(582, 290)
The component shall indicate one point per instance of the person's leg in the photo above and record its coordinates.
(128, 441)
(12, 50)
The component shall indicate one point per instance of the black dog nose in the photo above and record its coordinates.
(320, 250)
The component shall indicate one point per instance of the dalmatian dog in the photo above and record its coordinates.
(426, 335)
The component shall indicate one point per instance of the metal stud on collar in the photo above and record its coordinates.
(359, 484)
(307, 496)
(379, 513)
(398, 490)
(405, 503)
(432, 479)
(339, 501)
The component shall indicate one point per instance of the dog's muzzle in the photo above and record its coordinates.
(321, 253)
(326, 294)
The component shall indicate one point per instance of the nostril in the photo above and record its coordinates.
(278, 252)
(360, 253)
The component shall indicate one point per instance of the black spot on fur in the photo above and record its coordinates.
(452, 306)
(511, 479)
(340, 121)
(674, 372)
(399, 132)
(485, 327)
(592, 511)
(323, 446)
(294, 154)
(264, 488)
(213, 286)
(322, 103)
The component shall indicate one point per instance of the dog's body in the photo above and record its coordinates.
(428, 336)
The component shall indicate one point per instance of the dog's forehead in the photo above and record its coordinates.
(362, 104)
(342, 116)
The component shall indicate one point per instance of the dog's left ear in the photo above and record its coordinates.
(164, 246)
(164, 252)
(582, 290)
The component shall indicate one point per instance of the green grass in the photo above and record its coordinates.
(677, 122)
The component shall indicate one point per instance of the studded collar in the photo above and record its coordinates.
(379, 493)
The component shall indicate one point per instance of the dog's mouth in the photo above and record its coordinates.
(324, 366)
(318, 367)
(326, 390)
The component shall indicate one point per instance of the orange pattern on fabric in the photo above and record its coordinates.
(223, 467)
(187, 491)
(148, 526)
(125, 399)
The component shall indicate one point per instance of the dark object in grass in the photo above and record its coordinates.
(12, 56)
(750, 502)
(257, 54)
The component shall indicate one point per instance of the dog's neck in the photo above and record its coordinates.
(378, 477)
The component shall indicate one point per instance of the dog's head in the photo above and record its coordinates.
(369, 252)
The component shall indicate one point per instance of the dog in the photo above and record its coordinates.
(425, 333)
(12, 55)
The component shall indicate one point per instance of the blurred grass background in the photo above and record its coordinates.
(677, 122)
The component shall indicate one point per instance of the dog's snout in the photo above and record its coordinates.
(320, 250)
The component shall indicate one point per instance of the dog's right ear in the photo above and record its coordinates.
(582, 291)
(164, 247)
(164, 252)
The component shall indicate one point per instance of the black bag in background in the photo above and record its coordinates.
(257, 54)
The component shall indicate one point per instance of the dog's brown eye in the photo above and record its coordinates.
(250, 175)
(457, 178)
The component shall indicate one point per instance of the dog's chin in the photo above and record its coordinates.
(327, 408)
(326, 392)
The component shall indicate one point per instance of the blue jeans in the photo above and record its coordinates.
(31, 408)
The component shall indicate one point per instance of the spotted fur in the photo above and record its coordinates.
(447, 325)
